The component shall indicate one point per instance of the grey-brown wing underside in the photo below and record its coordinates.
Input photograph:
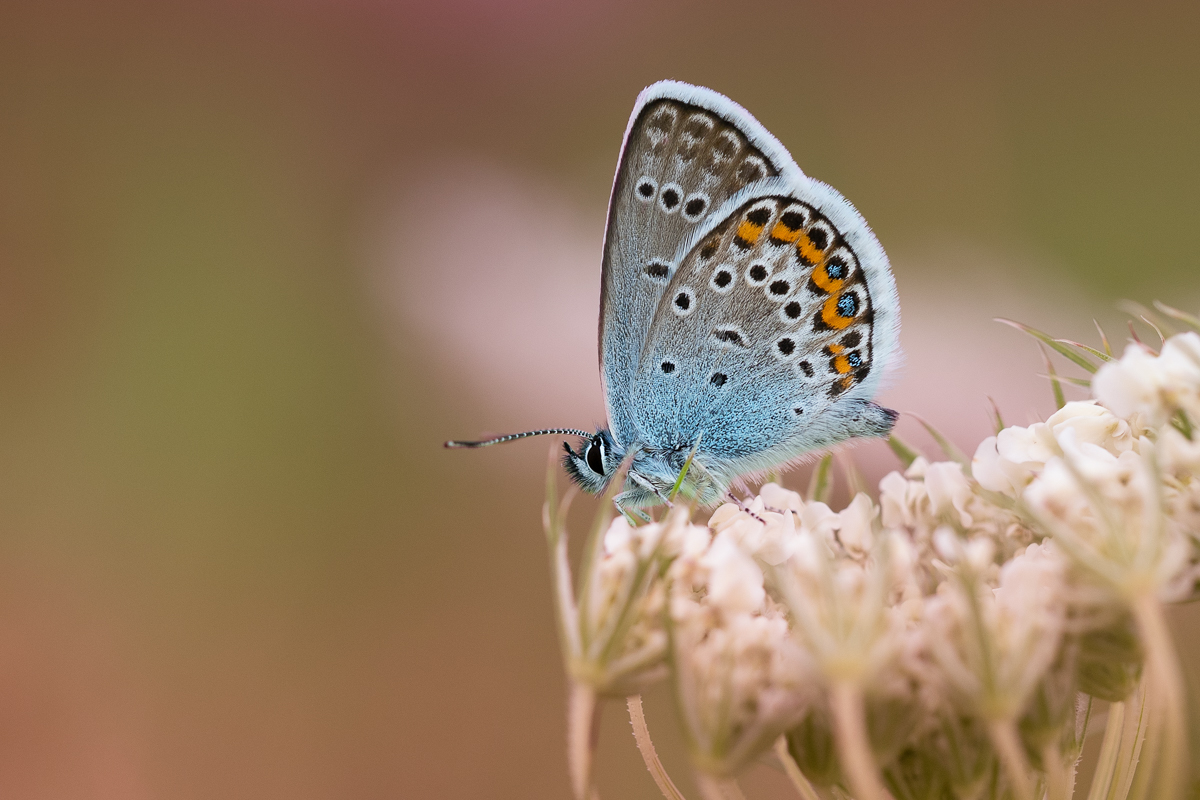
(687, 150)
(767, 341)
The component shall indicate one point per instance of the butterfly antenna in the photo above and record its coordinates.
(514, 436)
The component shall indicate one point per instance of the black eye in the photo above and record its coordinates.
(593, 456)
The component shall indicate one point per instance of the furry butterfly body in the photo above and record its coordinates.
(747, 311)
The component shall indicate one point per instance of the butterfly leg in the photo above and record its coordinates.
(733, 499)
(645, 484)
(630, 513)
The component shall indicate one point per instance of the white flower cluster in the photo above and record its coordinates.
(946, 639)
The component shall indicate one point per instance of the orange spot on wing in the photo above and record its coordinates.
(845, 383)
(809, 251)
(841, 364)
(784, 234)
(748, 231)
(834, 349)
(831, 317)
(820, 277)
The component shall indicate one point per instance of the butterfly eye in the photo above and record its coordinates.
(595, 455)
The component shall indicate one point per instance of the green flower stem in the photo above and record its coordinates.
(802, 784)
(1167, 695)
(1003, 734)
(853, 747)
(583, 714)
(641, 735)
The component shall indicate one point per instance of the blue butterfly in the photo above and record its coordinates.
(747, 311)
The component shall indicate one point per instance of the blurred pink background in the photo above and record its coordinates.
(257, 260)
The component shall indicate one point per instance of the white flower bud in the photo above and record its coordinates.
(980, 553)
(947, 545)
(997, 473)
(735, 583)
(949, 491)
(854, 526)
(1149, 385)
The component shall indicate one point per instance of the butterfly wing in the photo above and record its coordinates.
(771, 335)
(687, 150)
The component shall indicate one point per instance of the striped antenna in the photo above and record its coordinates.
(514, 436)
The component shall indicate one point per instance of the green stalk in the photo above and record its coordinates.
(820, 486)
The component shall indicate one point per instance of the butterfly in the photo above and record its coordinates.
(747, 311)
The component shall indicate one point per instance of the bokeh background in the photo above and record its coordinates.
(259, 258)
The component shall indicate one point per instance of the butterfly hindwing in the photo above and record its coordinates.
(769, 336)
(687, 150)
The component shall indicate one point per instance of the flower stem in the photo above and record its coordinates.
(1167, 692)
(1003, 733)
(1107, 762)
(1136, 742)
(718, 789)
(641, 735)
(802, 784)
(1058, 779)
(853, 748)
(582, 715)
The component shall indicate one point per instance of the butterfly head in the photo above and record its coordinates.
(595, 463)
(654, 475)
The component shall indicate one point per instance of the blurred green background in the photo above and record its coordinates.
(258, 259)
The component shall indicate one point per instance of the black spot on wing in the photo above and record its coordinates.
(729, 336)
(819, 238)
(759, 216)
(658, 270)
(792, 220)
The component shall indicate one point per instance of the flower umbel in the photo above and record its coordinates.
(942, 641)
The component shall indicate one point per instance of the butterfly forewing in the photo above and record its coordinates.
(687, 151)
(767, 325)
